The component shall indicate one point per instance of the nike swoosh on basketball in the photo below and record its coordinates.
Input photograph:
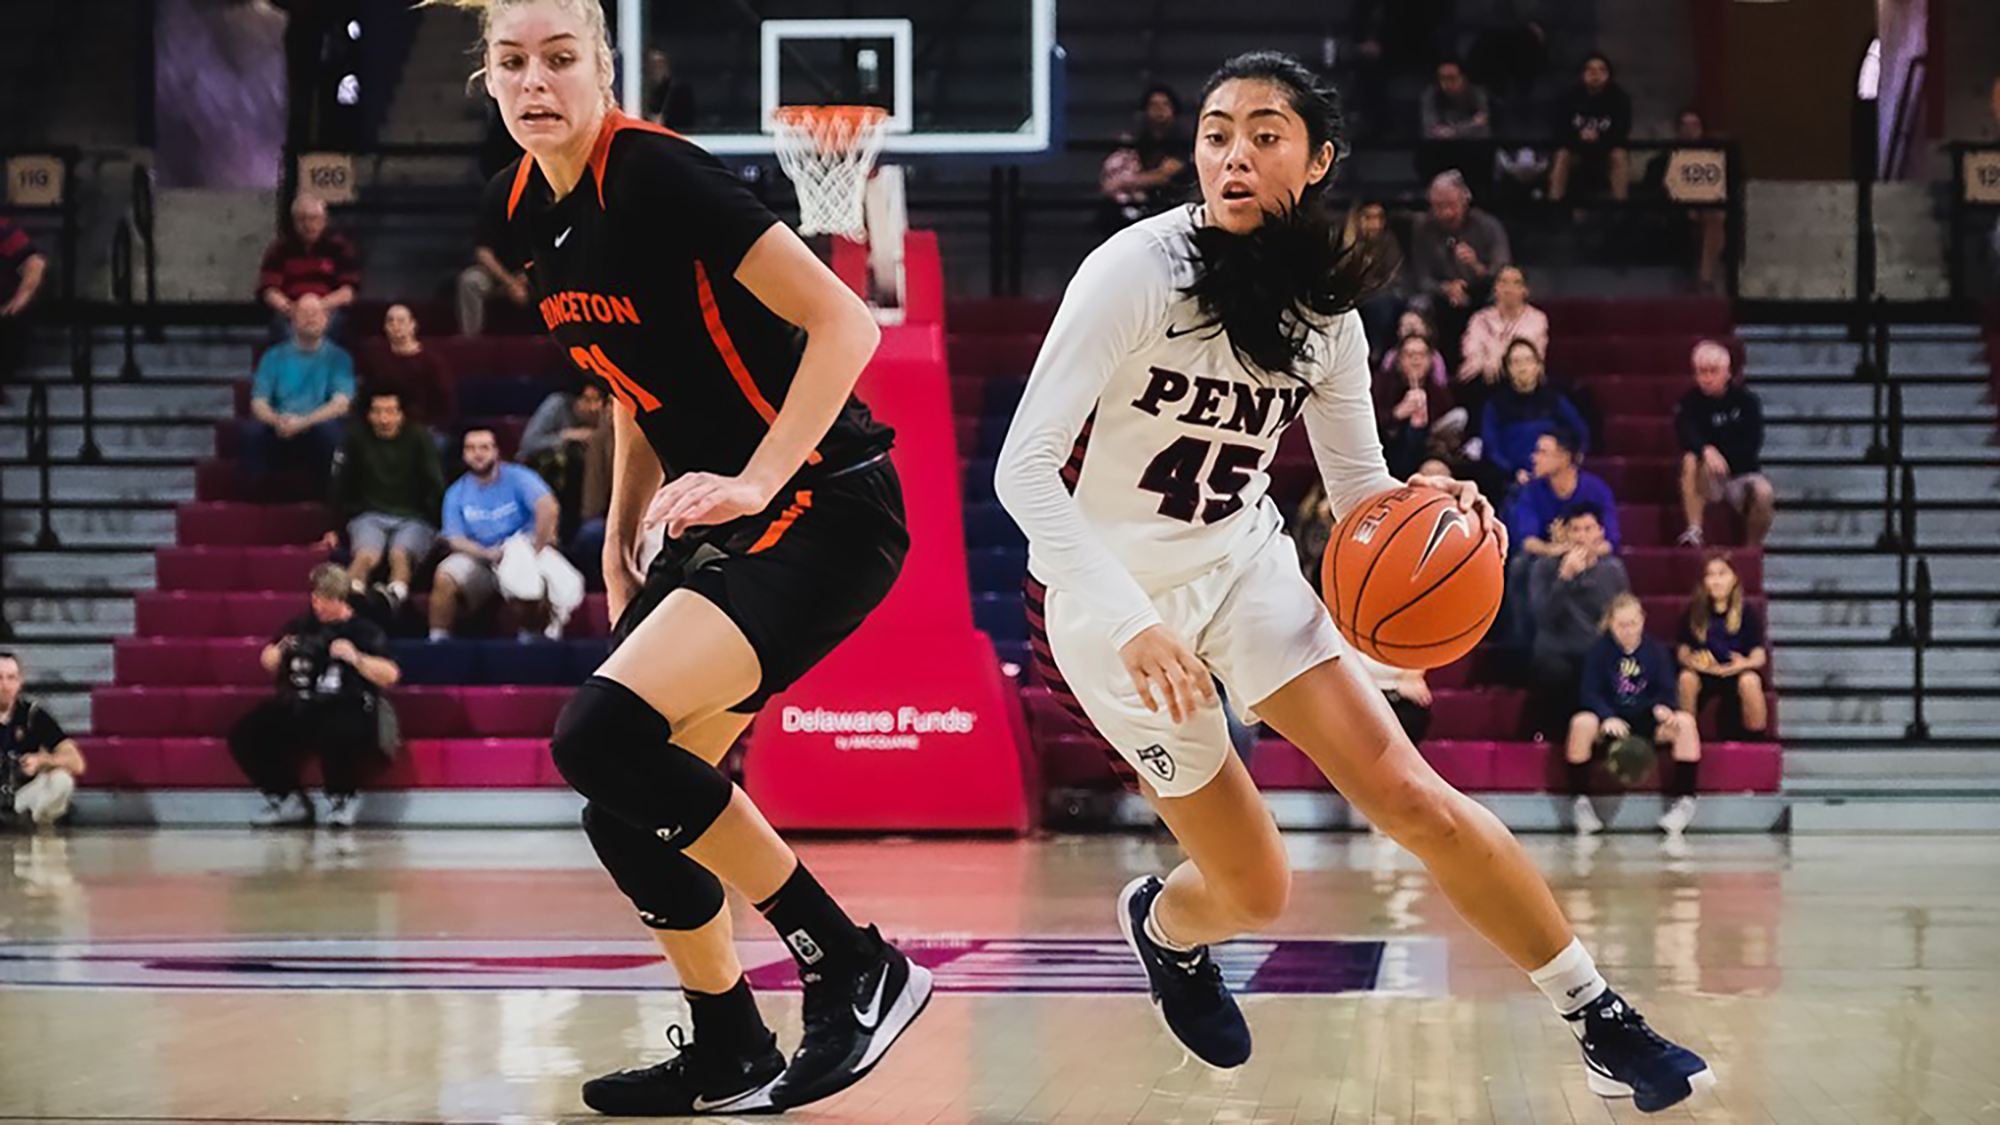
(563, 237)
(872, 1017)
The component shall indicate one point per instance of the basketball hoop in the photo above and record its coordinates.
(828, 151)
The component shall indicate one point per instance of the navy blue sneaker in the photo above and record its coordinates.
(1188, 991)
(1624, 1058)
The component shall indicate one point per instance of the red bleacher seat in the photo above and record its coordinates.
(204, 763)
(1584, 316)
(237, 524)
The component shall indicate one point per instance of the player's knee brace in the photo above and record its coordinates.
(614, 748)
(671, 891)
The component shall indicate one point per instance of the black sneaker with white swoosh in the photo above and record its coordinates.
(699, 1080)
(851, 1022)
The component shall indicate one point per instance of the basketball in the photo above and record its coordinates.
(1629, 760)
(1410, 580)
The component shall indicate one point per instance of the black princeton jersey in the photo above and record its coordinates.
(634, 275)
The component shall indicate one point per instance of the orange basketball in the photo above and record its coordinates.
(1410, 580)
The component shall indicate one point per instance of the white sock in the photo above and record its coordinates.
(1570, 980)
(1158, 936)
(440, 634)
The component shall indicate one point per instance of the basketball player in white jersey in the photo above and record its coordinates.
(1136, 465)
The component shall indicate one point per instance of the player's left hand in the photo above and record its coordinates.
(1470, 501)
(704, 500)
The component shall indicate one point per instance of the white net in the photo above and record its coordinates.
(828, 151)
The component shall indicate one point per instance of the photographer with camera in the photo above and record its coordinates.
(331, 669)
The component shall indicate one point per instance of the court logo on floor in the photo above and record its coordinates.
(1022, 965)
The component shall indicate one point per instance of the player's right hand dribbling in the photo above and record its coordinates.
(1167, 671)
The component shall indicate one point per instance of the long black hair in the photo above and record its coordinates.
(1267, 288)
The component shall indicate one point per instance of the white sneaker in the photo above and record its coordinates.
(280, 811)
(1678, 816)
(1584, 814)
(342, 812)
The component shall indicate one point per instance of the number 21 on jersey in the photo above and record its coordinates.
(636, 398)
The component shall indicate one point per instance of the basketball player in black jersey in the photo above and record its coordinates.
(732, 352)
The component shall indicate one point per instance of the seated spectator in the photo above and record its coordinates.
(557, 441)
(1591, 129)
(308, 260)
(500, 522)
(1455, 249)
(1410, 407)
(331, 667)
(1408, 693)
(1625, 691)
(1721, 428)
(1533, 514)
(297, 400)
(1569, 595)
(594, 505)
(22, 269)
(1413, 323)
(1454, 109)
(1381, 308)
(39, 764)
(1149, 172)
(1517, 416)
(389, 489)
(498, 269)
(1722, 652)
(400, 365)
(1457, 128)
(1709, 224)
(1559, 481)
(1510, 317)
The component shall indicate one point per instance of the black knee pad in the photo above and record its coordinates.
(671, 891)
(614, 748)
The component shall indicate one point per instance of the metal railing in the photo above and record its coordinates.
(38, 452)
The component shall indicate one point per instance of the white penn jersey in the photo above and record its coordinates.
(1173, 478)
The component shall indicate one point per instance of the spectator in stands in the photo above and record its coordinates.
(1570, 593)
(1457, 128)
(1720, 423)
(308, 260)
(39, 764)
(389, 489)
(22, 268)
(1380, 310)
(1535, 525)
(1592, 126)
(669, 102)
(1517, 416)
(1510, 317)
(1455, 250)
(1149, 172)
(399, 364)
(1709, 225)
(1722, 652)
(500, 522)
(302, 390)
(1454, 109)
(1410, 406)
(1624, 691)
(1412, 323)
(557, 441)
(498, 269)
(331, 667)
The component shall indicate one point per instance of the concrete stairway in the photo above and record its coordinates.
(1846, 684)
(1801, 242)
(67, 604)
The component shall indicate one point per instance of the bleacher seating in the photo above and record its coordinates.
(1632, 355)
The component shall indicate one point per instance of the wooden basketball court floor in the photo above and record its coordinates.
(478, 976)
